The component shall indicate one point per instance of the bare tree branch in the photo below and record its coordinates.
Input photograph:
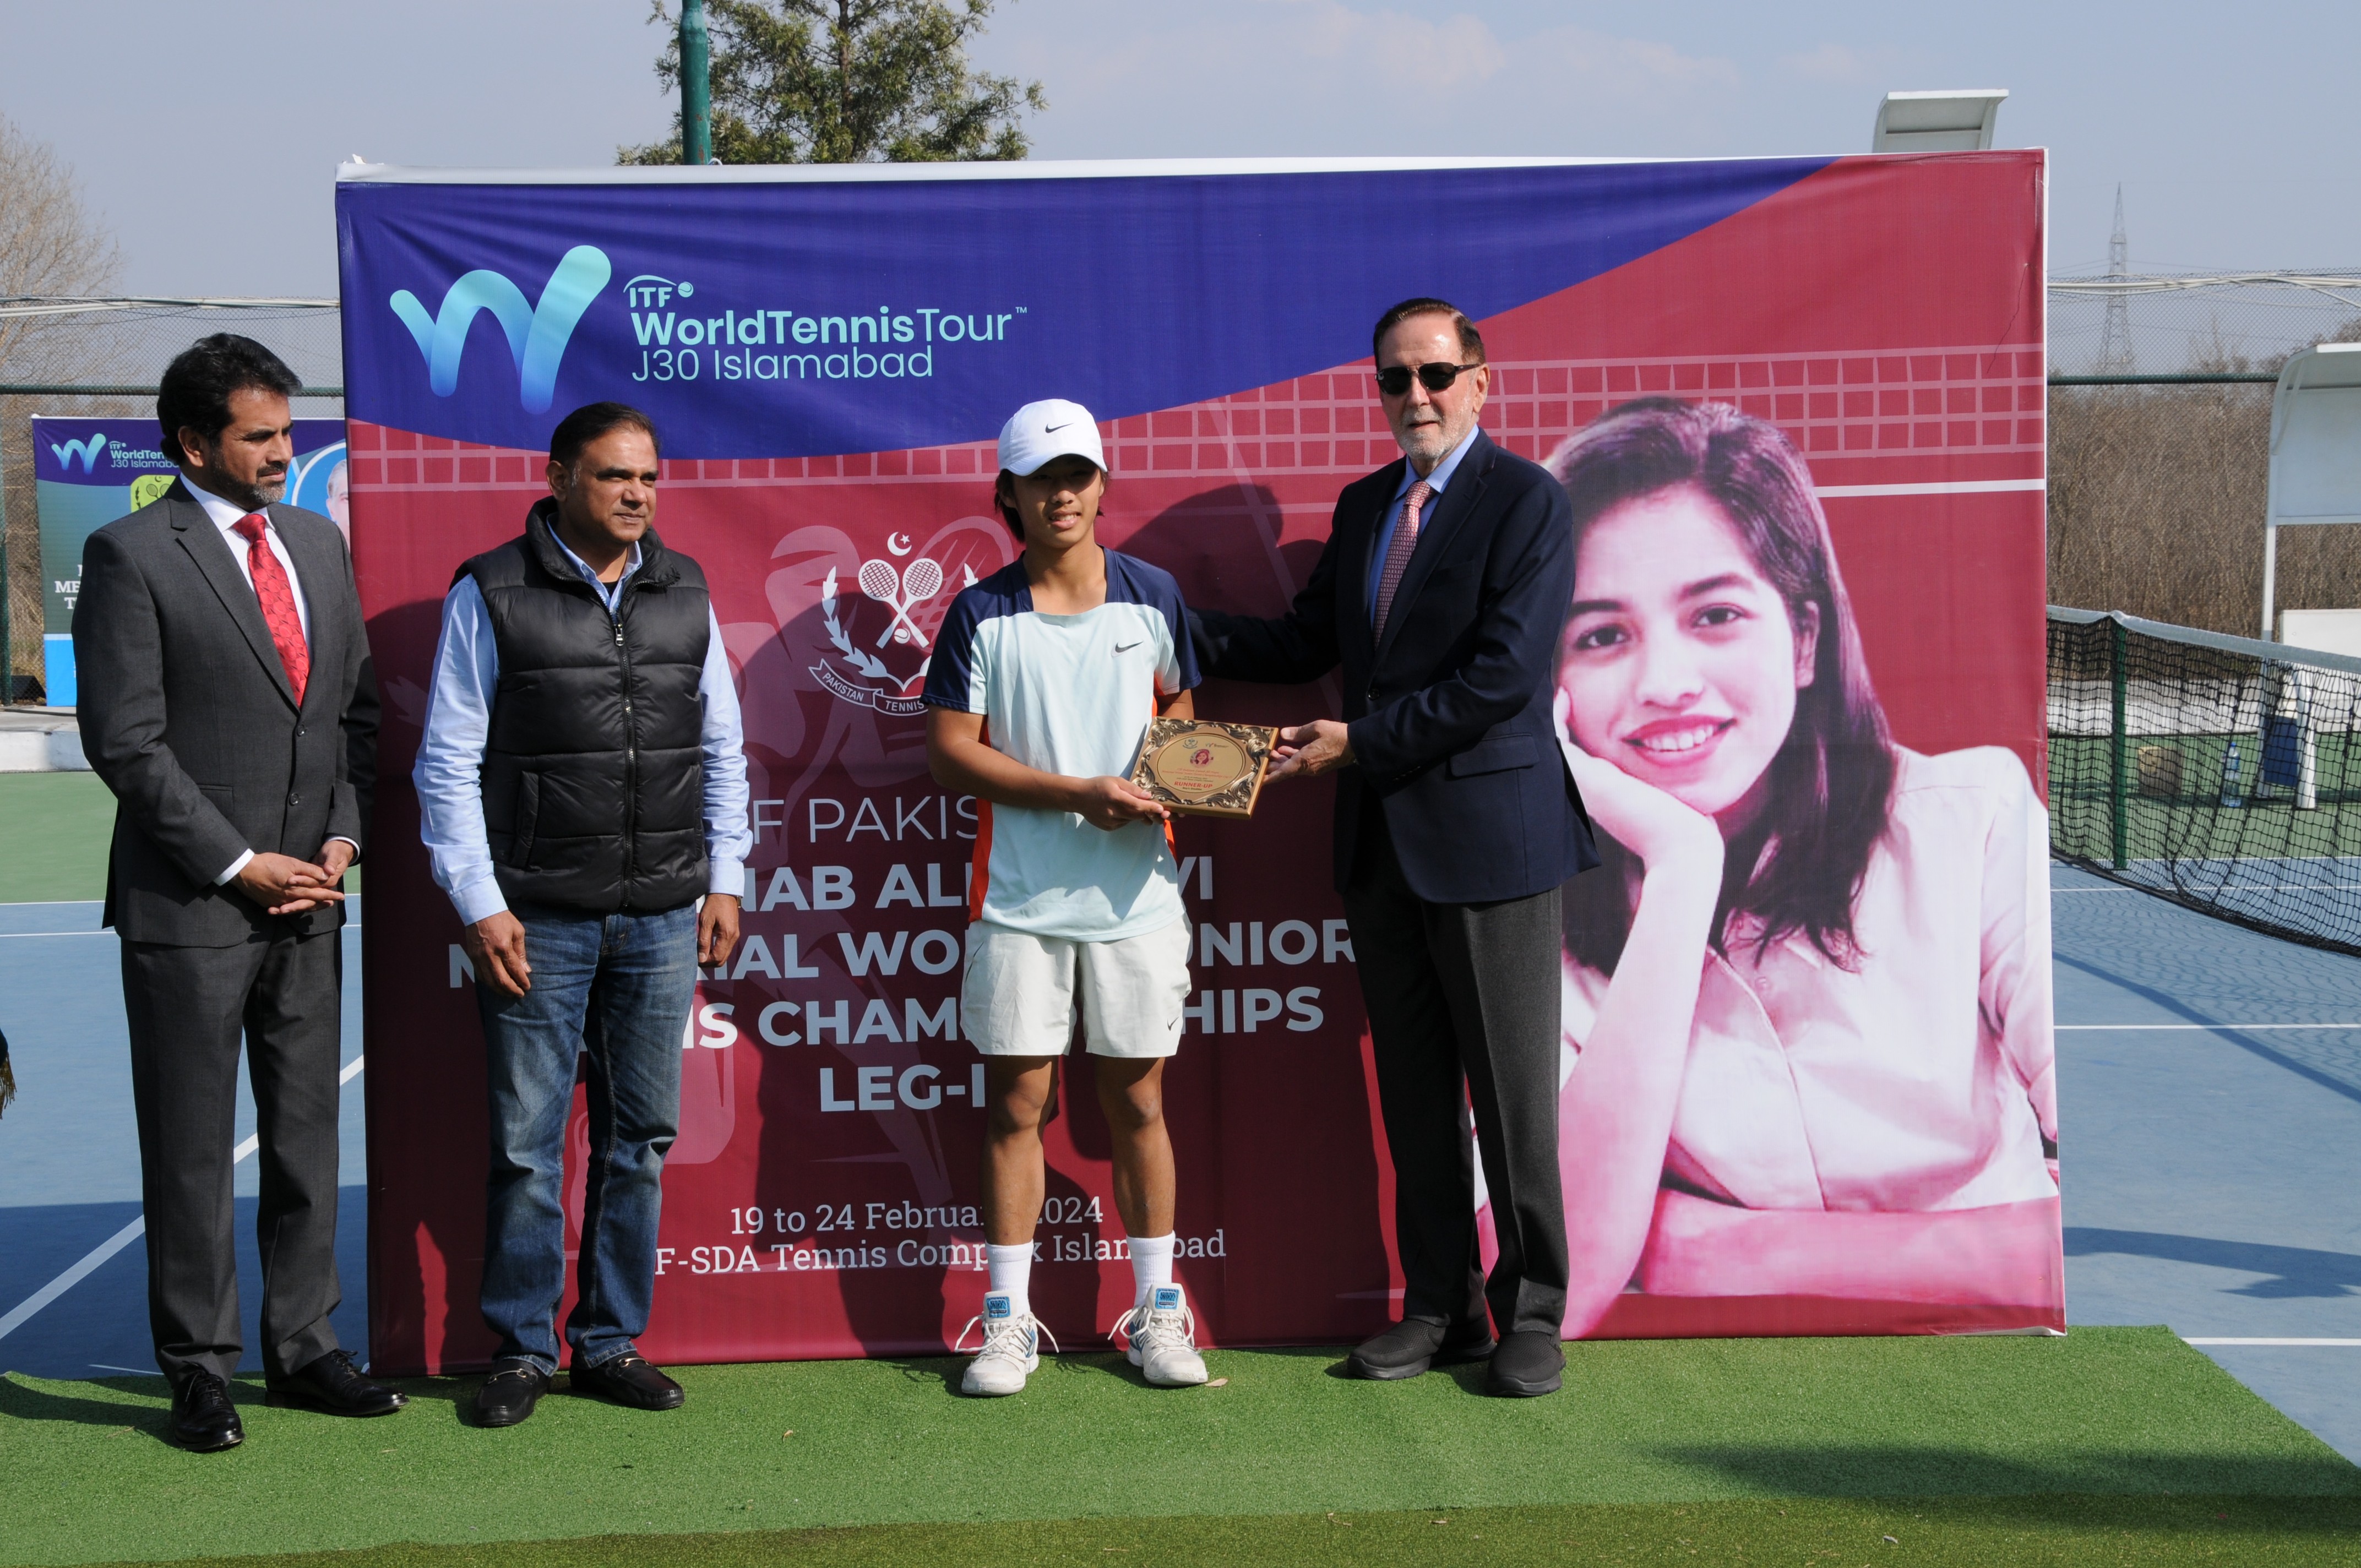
(49, 244)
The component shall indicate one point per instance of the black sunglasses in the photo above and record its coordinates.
(1394, 379)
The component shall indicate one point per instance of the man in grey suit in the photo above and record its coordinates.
(227, 701)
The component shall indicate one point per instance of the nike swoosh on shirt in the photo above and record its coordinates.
(1128, 647)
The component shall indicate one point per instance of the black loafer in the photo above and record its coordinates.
(332, 1384)
(1412, 1345)
(203, 1421)
(628, 1379)
(509, 1394)
(1529, 1362)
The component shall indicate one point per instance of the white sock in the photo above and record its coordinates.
(1012, 1274)
(1151, 1265)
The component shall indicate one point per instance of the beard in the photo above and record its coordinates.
(1425, 442)
(265, 488)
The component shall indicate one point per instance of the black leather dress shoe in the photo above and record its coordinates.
(334, 1385)
(628, 1379)
(203, 1421)
(1529, 1361)
(1412, 1345)
(509, 1394)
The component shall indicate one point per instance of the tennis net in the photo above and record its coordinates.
(2220, 772)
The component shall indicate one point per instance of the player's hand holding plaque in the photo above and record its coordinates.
(1203, 767)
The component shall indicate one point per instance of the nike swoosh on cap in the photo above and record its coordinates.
(1054, 428)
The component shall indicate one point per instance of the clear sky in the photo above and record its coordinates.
(208, 138)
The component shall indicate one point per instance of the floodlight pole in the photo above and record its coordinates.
(696, 85)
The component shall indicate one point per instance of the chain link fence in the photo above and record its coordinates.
(2185, 323)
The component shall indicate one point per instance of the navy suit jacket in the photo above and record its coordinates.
(1449, 712)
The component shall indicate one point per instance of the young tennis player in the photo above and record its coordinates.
(1043, 679)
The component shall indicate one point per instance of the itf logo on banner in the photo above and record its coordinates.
(87, 450)
(537, 334)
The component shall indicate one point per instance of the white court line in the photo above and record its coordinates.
(1936, 488)
(2328, 1343)
(2210, 1029)
(122, 1238)
(135, 1372)
(74, 1275)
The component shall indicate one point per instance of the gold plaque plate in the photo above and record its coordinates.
(1203, 767)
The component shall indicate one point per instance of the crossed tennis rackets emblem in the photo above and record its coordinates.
(902, 592)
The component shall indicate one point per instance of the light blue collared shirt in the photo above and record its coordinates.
(1386, 525)
(449, 771)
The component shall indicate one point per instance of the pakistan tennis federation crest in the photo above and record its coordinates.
(903, 591)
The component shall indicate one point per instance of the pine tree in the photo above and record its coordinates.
(847, 82)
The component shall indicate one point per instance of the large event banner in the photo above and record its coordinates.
(1826, 633)
(88, 472)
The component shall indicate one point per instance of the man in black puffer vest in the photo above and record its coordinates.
(581, 785)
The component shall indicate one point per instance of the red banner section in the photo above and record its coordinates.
(1884, 314)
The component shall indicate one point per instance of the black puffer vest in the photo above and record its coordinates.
(593, 779)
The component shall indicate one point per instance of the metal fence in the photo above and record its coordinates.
(2150, 327)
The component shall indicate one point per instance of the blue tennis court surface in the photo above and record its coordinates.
(70, 1157)
(2209, 1089)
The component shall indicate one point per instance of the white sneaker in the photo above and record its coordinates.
(1011, 1351)
(1162, 1336)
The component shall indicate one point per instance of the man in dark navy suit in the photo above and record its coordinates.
(1441, 592)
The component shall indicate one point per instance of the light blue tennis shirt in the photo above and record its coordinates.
(1069, 694)
(449, 771)
(1388, 524)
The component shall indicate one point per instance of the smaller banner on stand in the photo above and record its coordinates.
(88, 472)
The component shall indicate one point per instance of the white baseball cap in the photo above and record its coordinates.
(1039, 433)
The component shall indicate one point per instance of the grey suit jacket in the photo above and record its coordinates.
(188, 716)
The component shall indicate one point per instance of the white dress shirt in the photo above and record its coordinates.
(449, 771)
(1925, 1079)
(227, 516)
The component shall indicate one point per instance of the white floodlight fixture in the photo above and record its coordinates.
(2315, 463)
(1949, 119)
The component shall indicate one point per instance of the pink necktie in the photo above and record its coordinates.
(278, 596)
(1405, 539)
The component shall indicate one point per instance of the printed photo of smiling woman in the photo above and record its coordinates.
(1807, 1029)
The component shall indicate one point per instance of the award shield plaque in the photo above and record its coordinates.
(1203, 767)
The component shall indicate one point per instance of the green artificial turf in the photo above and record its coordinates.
(54, 828)
(2078, 1531)
(794, 1447)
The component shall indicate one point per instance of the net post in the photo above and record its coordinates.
(8, 609)
(2270, 571)
(2119, 784)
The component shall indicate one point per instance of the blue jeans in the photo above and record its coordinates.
(614, 990)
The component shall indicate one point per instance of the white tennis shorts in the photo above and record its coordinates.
(1017, 997)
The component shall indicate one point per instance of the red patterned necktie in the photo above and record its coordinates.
(278, 596)
(1405, 539)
